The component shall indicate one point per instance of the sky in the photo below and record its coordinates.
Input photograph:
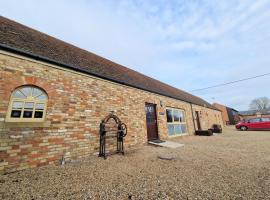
(189, 44)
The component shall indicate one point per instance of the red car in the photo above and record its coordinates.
(252, 124)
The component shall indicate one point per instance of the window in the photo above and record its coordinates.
(255, 120)
(265, 119)
(27, 104)
(176, 121)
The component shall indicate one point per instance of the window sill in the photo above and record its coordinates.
(25, 124)
(179, 135)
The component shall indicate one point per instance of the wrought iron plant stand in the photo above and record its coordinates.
(118, 133)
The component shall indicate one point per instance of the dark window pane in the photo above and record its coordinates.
(169, 115)
(17, 105)
(182, 116)
(176, 115)
(15, 113)
(29, 105)
(38, 114)
(27, 114)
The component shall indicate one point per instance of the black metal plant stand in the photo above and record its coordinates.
(119, 133)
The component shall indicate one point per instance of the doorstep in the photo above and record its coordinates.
(168, 144)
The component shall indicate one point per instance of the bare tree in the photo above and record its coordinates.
(261, 103)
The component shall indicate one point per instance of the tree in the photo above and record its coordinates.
(259, 104)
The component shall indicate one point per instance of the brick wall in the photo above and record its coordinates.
(207, 117)
(76, 105)
(224, 112)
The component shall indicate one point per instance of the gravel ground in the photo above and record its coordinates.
(234, 165)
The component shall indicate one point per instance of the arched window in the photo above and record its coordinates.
(27, 104)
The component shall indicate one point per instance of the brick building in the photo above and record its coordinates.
(250, 114)
(54, 95)
(230, 116)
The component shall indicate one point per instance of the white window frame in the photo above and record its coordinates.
(27, 99)
(184, 122)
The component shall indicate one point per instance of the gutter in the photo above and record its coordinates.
(54, 62)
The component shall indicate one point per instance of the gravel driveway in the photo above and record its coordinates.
(234, 165)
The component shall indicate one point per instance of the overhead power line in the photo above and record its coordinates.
(232, 82)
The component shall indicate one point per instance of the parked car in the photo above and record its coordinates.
(261, 123)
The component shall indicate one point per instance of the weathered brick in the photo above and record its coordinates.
(5, 148)
(76, 106)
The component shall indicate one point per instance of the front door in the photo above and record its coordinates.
(151, 121)
(198, 120)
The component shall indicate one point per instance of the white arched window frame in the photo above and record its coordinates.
(27, 104)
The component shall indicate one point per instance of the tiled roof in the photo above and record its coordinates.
(22, 39)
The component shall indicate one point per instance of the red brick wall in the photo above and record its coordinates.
(76, 105)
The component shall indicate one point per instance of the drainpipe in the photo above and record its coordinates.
(192, 117)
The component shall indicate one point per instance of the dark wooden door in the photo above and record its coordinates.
(151, 121)
(198, 120)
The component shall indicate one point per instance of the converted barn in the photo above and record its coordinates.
(229, 115)
(54, 95)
